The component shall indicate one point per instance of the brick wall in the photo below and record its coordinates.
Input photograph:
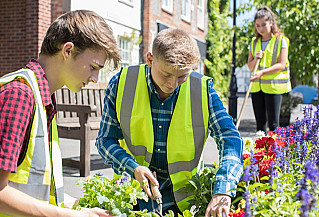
(56, 9)
(23, 24)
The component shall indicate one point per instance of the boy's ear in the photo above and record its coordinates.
(149, 59)
(67, 49)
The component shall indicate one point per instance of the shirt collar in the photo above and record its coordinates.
(35, 66)
(151, 86)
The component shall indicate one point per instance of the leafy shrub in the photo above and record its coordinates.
(201, 185)
(117, 196)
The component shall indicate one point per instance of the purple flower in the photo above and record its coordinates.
(123, 180)
(307, 190)
(98, 174)
(251, 171)
(248, 204)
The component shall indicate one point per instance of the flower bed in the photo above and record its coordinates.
(281, 178)
(281, 174)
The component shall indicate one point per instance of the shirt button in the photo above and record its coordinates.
(160, 126)
(162, 103)
(158, 149)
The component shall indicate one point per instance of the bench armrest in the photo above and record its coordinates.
(76, 108)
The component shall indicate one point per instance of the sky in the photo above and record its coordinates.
(240, 19)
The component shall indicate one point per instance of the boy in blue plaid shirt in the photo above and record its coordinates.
(156, 118)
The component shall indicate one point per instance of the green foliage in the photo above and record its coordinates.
(299, 21)
(186, 213)
(116, 196)
(201, 185)
(219, 40)
(281, 199)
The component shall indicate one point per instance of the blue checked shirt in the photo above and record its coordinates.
(222, 129)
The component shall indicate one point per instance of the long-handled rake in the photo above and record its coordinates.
(247, 94)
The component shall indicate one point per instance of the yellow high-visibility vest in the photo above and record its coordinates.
(276, 83)
(187, 132)
(40, 173)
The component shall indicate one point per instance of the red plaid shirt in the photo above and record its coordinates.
(16, 106)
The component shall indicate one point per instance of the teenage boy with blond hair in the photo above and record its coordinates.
(156, 118)
(75, 48)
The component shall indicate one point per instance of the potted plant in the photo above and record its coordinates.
(289, 102)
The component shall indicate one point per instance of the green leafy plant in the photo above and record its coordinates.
(219, 41)
(186, 213)
(117, 196)
(201, 186)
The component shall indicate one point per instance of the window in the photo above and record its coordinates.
(186, 10)
(125, 51)
(200, 14)
(125, 46)
(167, 5)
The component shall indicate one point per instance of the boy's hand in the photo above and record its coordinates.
(219, 206)
(143, 175)
(94, 212)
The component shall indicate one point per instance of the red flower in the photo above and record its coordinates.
(237, 214)
(264, 165)
(260, 143)
(245, 156)
(259, 155)
(271, 152)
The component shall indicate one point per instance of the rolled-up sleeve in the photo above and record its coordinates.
(229, 144)
(107, 142)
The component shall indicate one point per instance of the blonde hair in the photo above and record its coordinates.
(86, 30)
(177, 48)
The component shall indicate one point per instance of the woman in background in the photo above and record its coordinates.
(272, 79)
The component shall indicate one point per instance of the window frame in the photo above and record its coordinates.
(167, 5)
(187, 16)
(124, 51)
(201, 20)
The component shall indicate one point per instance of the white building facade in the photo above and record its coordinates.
(124, 17)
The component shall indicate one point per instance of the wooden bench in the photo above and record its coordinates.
(78, 117)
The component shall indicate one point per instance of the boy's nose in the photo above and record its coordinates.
(174, 83)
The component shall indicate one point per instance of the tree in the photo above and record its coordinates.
(219, 41)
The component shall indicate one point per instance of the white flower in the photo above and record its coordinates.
(260, 133)
(248, 145)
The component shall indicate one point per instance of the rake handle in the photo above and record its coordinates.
(247, 94)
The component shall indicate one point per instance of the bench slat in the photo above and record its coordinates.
(79, 116)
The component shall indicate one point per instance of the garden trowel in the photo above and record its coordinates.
(158, 198)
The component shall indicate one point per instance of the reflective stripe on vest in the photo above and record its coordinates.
(276, 83)
(189, 119)
(33, 175)
(56, 166)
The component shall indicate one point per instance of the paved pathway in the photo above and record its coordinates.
(70, 148)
